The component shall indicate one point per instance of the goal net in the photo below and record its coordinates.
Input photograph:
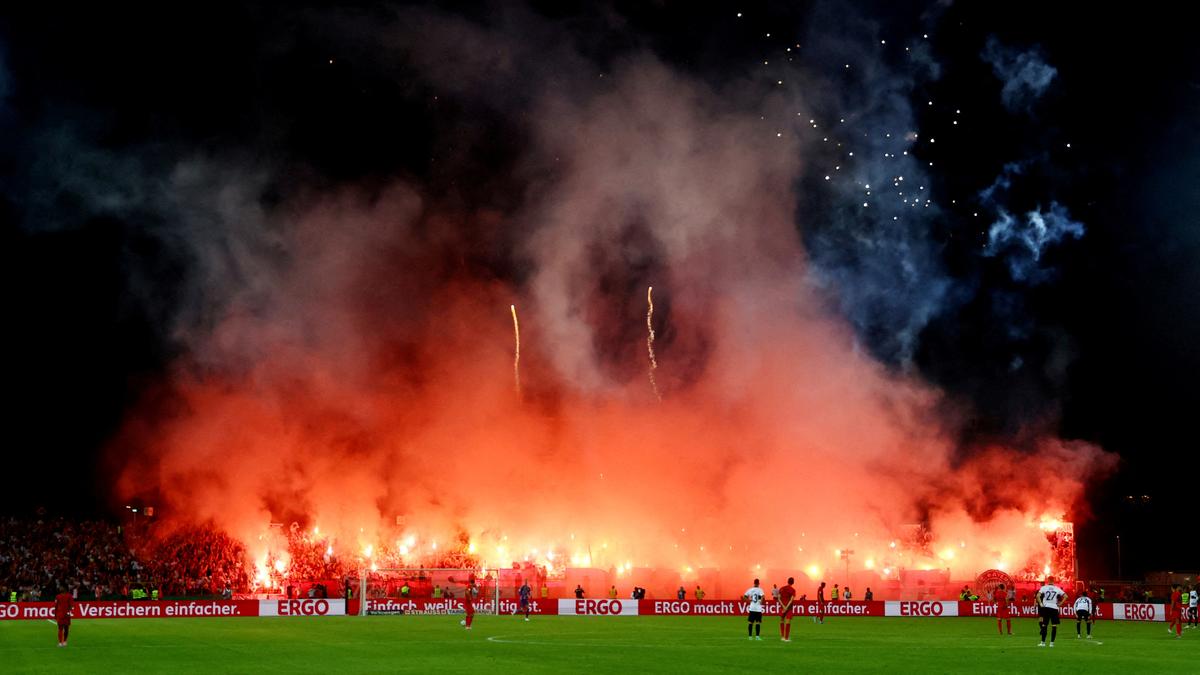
(424, 590)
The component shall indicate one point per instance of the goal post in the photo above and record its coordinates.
(444, 588)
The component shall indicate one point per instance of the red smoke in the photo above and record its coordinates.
(354, 368)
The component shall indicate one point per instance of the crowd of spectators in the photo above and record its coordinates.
(146, 558)
(191, 561)
(97, 559)
(39, 556)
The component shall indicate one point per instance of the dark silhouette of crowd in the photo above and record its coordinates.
(96, 559)
(147, 558)
(191, 561)
(39, 556)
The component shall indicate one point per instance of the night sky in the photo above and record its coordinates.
(1048, 285)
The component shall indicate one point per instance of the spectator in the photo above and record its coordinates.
(578, 591)
(681, 593)
(868, 596)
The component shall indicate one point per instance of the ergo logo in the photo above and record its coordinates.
(924, 608)
(303, 607)
(1139, 612)
(599, 607)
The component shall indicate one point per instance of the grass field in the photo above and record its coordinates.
(591, 644)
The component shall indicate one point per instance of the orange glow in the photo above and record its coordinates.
(351, 366)
(1049, 524)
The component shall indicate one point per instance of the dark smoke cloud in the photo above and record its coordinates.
(4, 78)
(1021, 240)
(872, 242)
(1024, 75)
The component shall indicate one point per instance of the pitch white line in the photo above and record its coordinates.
(719, 644)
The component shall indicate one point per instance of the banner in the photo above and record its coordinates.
(741, 608)
(979, 608)
(127, 609)
(306, 607)
(1138, 611)
(593, 607)
(930, 608)
(166, 609)
(449, 606)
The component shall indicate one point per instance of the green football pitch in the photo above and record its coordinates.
(585, 644)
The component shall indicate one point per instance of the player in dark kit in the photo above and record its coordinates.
(787, 595)
(1003, 611)
(524, 592)
(63, 606)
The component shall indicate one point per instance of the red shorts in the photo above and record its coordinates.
(64, 621)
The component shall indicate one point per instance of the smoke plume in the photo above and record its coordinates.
(346, 352)
(1025, 75)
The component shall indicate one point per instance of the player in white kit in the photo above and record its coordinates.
(755, 595)
(1048, 597)
(1085, 610)
(1192, 618)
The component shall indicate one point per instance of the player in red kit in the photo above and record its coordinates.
(469, 604)
(1003, 611)
(787, 595)
(63, 605)
(1175, 611)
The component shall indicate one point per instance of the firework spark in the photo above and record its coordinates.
(650, 340)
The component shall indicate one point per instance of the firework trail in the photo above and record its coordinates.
(517, 351)
(650, 339)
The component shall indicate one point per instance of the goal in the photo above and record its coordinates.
(429, 590)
